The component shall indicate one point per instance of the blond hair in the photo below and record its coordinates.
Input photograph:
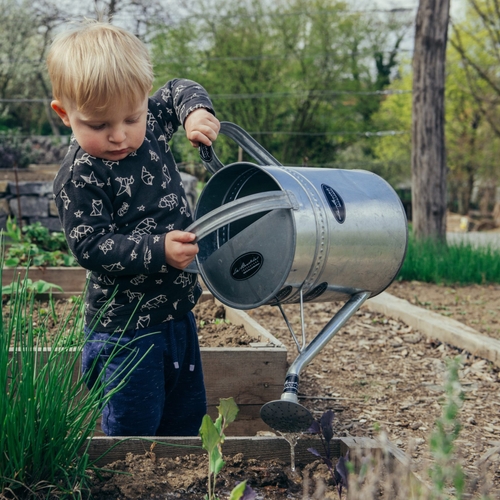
(96, 65)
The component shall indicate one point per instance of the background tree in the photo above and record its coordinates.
(27, 31)
(428, 139)
(393, 150)
(20, 64)
(471, 144)
(301, 76)
(476, 43)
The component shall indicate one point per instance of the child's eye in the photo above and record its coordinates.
(132, 120)
(97, 127)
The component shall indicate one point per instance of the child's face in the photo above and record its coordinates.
(112, 134)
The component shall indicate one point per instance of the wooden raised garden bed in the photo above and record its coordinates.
(173, 465)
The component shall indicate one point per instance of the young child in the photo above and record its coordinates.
(123, 210)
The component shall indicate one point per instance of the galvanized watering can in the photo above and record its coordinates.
(272, 234)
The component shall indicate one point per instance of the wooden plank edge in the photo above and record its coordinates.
(437, 326)
(49, 273)
(361, 446)
(104, 449)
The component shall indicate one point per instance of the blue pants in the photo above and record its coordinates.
(165, 394)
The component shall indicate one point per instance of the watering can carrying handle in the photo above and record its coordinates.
(244, 140)
(238, 209)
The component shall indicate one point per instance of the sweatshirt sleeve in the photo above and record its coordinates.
(175, 100)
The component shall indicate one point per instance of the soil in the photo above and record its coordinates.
(379, 376)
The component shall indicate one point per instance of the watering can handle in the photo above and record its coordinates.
(244, 140)
(243, 207)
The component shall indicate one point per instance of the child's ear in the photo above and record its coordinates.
(59, 109)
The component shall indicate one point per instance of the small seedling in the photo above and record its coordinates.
(212, 438)
(446, 470)
(324, 427)
(221, 321)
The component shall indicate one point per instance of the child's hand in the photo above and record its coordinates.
(179, 248)
(201, 126)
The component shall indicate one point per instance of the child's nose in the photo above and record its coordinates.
(117, 135)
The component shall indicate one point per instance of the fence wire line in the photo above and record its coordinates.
(378, 133)
(260, 95)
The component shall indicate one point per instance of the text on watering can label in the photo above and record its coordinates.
(336, 203)
(246, 266)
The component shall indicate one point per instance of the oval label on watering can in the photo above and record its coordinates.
(335, 202)
(246, 266)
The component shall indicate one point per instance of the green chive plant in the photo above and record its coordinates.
(47, 415)
(462, 263)
(212, 438)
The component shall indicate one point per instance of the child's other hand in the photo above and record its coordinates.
(179, 248)
(201, 126)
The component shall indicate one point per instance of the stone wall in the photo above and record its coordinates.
(35, 202)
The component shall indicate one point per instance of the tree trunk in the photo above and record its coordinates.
(428, 160)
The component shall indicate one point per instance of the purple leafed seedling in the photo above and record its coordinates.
(324, 428)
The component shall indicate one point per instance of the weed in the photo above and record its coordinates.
(446, 471)
(379, 475)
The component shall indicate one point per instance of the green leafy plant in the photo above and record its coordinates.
(31, 287)
(36, 287)
(216, 321)
(212, 438)
(35, 245)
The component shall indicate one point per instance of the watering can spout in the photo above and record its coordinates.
(287, 414)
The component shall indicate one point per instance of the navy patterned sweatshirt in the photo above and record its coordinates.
(115, 216)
